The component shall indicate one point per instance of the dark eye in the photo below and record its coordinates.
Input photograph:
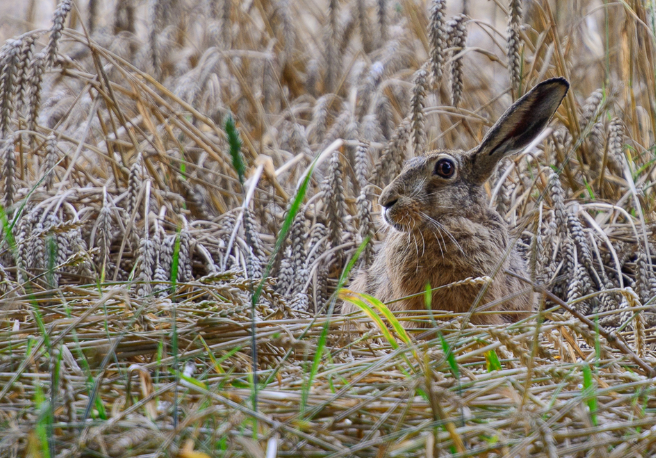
(445, 168)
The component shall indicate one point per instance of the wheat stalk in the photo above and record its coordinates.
(591, 108)
(28, 45)
(99, 105)
(457, 33)
(615, 145)
(391, 161)
(9, 63)
(381, 10)
(438, 37)
(37, 69)
(333, 195)
(9, 171)
(58, 20)
(134, 186)
(331, 51)
(417, 119)
(514, 42)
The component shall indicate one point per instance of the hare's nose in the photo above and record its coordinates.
(388, 197)
(388, 201)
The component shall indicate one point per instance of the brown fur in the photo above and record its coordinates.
(441, 230)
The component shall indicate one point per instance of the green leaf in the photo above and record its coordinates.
(589, 188)
(217, 362)
(493, 363)
(387, 313)
(100, 407)
(492, 440)
(428, 302)
(51, 261)
(188, 379)
(217, 366)
(324, 333)
(175, 262)
(282, 235)
(357, 299)
(9, 238)
(235, 148)
(449, 357)
(240, 384)
(43, 422)
(589, 390)
(284, 230)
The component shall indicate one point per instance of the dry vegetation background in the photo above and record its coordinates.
(131, 250)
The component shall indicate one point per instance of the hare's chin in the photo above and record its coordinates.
(389, 222)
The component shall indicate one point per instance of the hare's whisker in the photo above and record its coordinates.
(417, 251)
(448, 233)
(411, 238)
(451, 237)
(438, 241)
(423, 243)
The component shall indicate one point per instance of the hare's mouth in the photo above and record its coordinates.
(394, 219)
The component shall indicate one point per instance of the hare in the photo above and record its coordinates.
(442, 229)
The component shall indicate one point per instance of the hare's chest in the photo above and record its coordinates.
(413, 266)
(412, 269)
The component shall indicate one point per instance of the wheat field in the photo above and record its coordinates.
(188, 186)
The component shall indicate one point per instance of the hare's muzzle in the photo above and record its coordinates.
(388, 199)
(389, 204)
(386, 216)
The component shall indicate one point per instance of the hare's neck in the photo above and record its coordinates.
(456, 249)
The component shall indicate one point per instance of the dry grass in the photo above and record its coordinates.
(132, 246)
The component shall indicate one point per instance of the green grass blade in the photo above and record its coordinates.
(450, 358)
(42, 424)
(493, 363)
(387, 313)
(217, 362)
(357, 299)
(235, 148)
(51, 261)
(9, 238)
(589, 390)
(188, 379)
(282, 235)
(175, 262)
(324, 333)
(428, 303)
(238, 164)
(284, 230)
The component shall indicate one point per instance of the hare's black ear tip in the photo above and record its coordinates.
(558, 82)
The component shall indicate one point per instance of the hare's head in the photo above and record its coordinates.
(450, 183)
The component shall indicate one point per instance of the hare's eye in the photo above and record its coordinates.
(445, 168)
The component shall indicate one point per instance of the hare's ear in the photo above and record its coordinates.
(518, 126)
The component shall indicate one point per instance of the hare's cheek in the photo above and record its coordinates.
(399, 216)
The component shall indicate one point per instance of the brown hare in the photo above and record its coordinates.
(443, 229)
